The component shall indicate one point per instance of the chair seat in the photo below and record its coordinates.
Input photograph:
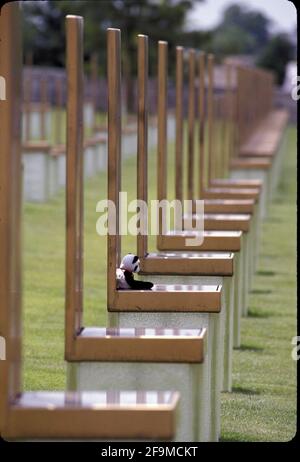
(262, 150)
(90, 415)
(58, 150)
(251, 163)
(228, 206)
(262, 144)
(231, 193)
(141, 345)
(266, 138)
(219, 222)
(237, 183)
(99, 138)
(224, 241)
(113, 333)
(198, 263)
(36, 146)
(169, 298)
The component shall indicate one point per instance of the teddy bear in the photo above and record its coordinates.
(125, 274)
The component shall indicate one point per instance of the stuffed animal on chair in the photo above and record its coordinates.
(124, 275)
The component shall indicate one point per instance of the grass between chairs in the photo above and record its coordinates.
(262, 406)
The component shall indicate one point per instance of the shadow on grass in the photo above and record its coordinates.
(270, 257)
(266, 273)
(274, 220)
(261, 291)
(245, 391)
(256, 313)
(250, 348)
(232, 438)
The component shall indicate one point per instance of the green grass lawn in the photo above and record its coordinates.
(262, 406)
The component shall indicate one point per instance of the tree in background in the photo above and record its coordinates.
(44, 27)
(251, 22)
(275, 56)
(231, 41)
(242, 31)
(44, 33)
(246, 32)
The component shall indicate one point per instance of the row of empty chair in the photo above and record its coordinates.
(157, 370)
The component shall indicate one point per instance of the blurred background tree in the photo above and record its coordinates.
(275, 56)
(241, 32)
(44, 30)
(247, 32)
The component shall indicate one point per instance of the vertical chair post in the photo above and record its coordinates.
(142, 139)
(210, 115)
(162, 127)
(201, 110)
(228, 117)
(239, 112)
(59, 105)
(231, 112)
(253, 103)
(223, 142)
(179, 125)
(27, 97)
(234, 115)
(27, 107)
(271, 92)
(94, 73)
(191, 123)
(247, 103)
(10, 207)
(74, 181)
(114, 157)
(217, 151)
(43, 107)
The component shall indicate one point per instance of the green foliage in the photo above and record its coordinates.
(197, 39)
(44, 34)
(231, 41)
(275, 56)
(242, 31)
(251, 22)
(45, 30)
